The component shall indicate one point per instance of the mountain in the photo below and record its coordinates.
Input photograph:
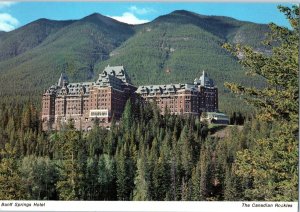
(73, 48)
(172, 48)
(28, 37)
(178, 46)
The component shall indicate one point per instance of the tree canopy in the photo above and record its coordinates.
(271, 165)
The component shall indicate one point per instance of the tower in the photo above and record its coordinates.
(63, 80)
(208, 93)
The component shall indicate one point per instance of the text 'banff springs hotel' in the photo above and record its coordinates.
(86, 101)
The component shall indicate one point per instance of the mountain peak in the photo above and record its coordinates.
(43, 20)
(187, 13)
(97, 17)
(94, 15)
(182, 16)
(182, 12)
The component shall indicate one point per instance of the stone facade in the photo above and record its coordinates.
(201, 96)
(85, 102)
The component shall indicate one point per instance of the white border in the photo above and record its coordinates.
(135, 206)
(163, 206)
(166, 1)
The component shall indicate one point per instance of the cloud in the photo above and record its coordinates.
(6, 4)
(140, 11)
(7, 22)
(129, 18)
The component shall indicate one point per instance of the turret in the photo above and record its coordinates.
(204, 80)
(63, 80)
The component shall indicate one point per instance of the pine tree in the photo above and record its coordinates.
(185, 193)
(279, 100)
(11, 183)
(141, 180)
(39, 176)
(206, 173)
(91, 176)
(106, 177)
(196, 183)
(230, 191)
(186, 151)
(71, 172)
(127, 116)
(124, 173)
(271, 164)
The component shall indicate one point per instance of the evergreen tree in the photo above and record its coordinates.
(106, 177)
(39, 176)
(124, 173)
(141, 181)
(91, 176)
(127, 116)
(11, 184)
(185, 193)
(230, 191)
(206, 174)
(196, 183)
(71, 174)
(271, 164)
(186, 151)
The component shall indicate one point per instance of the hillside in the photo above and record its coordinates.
(177, 47)
(28, 37)
(172, 48)
(73, 49)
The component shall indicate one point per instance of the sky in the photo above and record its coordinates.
(16, 14)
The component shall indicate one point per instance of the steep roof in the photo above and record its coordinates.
(116, 71)
(204, 80)
(165, 89)
(109, 80)
(114, 76)
(76, 88)
(63, 78)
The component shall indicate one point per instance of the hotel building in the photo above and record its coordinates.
(85, 102)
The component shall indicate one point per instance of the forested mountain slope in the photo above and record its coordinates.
(172, 48)
(178, 46)
(28, 37)
(73, 49)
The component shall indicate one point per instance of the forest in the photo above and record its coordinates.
(147, 156)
